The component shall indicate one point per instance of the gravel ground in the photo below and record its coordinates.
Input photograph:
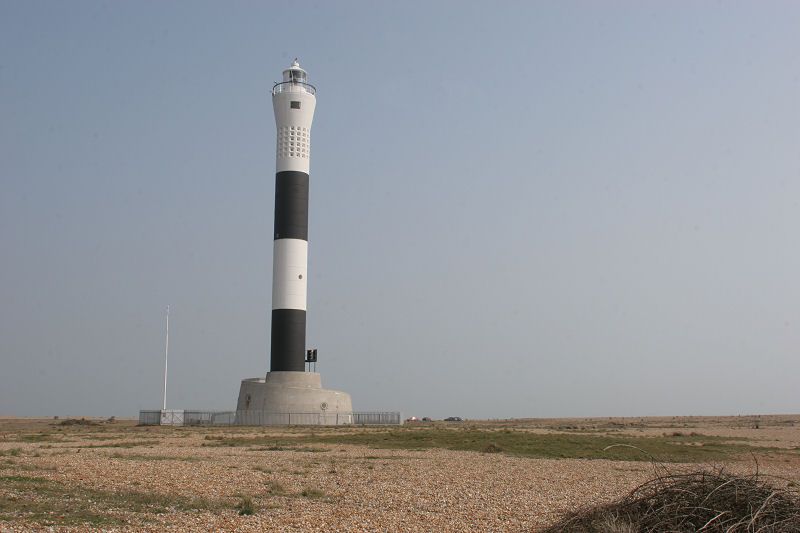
(375, 490)
(347, 488)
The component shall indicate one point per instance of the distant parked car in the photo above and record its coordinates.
(412, 419)
(453, 419)
(426, 419)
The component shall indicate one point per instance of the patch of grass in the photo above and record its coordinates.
(22, 479)
(266, 443)
(94, 436)
(48, 502)
(246, 506)
(270, 505)
(312, 494)
(148, 501)
(263, 469)
(126, 444)
(141, 457)
(274, 448)
(261, 444)
(309, 449)
(13, 452)
(8, 464)
(685, 448)
(39, 437)
(276, 488)
(682, 434)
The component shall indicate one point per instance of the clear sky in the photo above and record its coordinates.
(517, 209)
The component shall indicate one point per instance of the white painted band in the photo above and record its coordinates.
(289, 274)
(293, 144)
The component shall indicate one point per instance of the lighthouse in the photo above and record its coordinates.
(293, 101)
(288, 394)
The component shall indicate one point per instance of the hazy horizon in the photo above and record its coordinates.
(523, 210)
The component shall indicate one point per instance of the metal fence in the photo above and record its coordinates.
(149, 418)
(378, 419)
(263, 418)
(164, 417)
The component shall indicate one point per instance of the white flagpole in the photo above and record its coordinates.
(166, 361)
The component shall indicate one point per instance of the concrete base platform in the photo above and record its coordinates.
(292, 398)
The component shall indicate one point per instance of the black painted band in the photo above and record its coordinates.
(291, 205)
(288, 343)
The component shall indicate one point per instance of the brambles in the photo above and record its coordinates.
(712, 501)
(78, 422)
(492, 448)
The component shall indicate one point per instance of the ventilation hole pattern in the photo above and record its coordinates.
(294, 141)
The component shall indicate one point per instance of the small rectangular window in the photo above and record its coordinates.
(295, 104)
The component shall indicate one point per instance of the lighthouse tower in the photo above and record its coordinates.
(288, 394)
(293, 101)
